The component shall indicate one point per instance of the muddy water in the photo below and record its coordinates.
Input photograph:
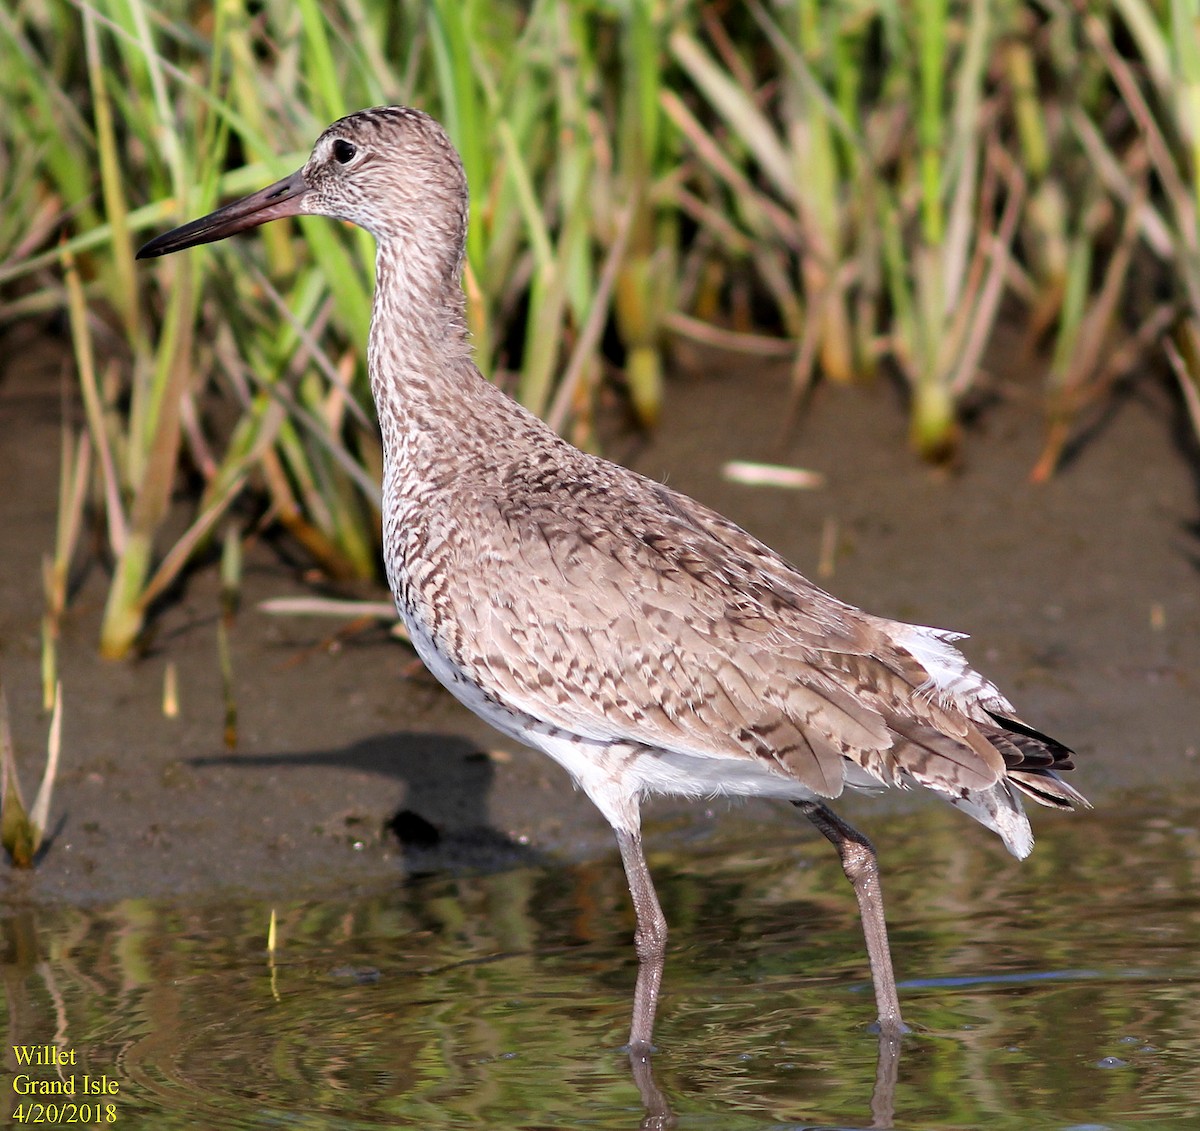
(1061, 995)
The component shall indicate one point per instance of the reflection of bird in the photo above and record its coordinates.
(641, 640)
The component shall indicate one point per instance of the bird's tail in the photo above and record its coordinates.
(1032, 762)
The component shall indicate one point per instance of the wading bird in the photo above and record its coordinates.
(643, 641)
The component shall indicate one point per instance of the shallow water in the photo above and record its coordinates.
(1058, 993)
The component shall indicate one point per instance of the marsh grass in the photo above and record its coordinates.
(856, 187)
(22, 829)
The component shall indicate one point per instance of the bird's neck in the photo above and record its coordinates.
(423, 376)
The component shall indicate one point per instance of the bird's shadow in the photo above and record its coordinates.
(443, 822)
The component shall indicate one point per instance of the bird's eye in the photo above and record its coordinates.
(343, 151)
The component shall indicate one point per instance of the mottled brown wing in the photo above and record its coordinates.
(640, 616)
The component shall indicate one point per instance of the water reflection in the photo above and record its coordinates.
(1058, 993)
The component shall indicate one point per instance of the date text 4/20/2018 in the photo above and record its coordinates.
(65, 1113)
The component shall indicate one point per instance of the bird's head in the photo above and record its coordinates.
(391, 170)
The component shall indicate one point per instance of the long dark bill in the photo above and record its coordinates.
(283, 198)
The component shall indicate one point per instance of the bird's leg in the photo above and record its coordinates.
(861, 866)
(650, 938)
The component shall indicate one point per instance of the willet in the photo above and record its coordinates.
(643, 641)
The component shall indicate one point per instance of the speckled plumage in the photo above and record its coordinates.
(639, 638)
